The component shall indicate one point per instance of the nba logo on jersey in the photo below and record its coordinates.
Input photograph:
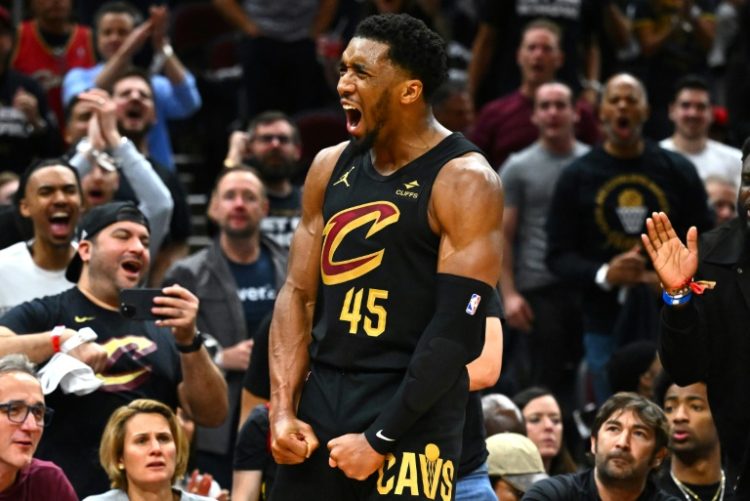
(473, 305)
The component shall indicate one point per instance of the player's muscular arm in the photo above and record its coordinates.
(294, 440)
(466, 210)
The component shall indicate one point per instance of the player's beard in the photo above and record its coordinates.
(363, 144)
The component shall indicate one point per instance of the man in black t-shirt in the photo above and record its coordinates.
(164, 360)
(629, 439)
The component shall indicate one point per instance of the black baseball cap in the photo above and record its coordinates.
(96, 220)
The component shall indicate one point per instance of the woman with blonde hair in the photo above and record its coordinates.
(144, 452)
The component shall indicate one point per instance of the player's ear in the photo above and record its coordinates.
(411, 91)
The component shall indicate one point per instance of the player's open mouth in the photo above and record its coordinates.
(353, 117)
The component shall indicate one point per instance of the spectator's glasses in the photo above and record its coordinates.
(18, 411)
(268, 138)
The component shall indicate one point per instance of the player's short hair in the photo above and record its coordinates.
(413, 47)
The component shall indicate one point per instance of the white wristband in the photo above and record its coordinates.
(85, 335)
(601, 277)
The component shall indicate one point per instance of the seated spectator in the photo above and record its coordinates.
(634, 367)
(28, 129)
(144, 452)
(514, 465)
(22, 477)
(628, 441)
(118, 38)
(722, 198)
(49, 45)
(544, 426)
(50, 198)
(501, 415)
(8, 187)
(694, 470)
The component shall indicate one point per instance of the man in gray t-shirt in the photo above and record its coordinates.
(535, 302)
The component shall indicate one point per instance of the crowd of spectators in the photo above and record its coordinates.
(183, 130)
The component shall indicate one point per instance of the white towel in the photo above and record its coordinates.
(72, 375)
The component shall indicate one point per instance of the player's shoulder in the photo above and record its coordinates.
(470, 170)
(324, 163)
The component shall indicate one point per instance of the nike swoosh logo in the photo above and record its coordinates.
(380, 435)
(80, 320)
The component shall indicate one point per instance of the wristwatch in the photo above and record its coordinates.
(195, 345)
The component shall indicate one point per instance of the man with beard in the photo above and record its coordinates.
(272, 147)
(133, 98)
(596, 216)
(628, 440)
(694, 471)
(392, 267)
(704, 332)
(50, 197)
(236, 279)
(133, 358)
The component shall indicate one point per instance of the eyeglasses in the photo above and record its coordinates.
(18, 412)
(268, 138)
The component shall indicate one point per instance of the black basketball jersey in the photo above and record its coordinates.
(378, 260)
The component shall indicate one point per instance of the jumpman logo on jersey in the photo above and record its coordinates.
(345, 177)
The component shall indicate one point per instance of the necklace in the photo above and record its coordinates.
(690, 495)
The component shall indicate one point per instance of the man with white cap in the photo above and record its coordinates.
(514, 464)
(163, 360)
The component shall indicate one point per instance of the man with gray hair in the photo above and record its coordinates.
(23, 417)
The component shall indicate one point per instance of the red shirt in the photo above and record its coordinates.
(35, 58)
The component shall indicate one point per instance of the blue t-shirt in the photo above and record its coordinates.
(255, 287)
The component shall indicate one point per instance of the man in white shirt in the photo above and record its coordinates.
(692, 114)
(50, 196)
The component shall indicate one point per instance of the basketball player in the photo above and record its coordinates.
(391, 269)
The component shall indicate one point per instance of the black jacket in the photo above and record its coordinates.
(709, 339)
(582, 487)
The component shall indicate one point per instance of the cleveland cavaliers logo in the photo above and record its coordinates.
(417, 474)
(133, 347)
(378, 215)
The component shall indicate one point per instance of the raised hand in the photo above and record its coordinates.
(674, 262)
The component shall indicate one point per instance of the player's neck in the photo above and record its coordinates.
(393, 149)
(245, 250)
(705, 470)
(688, 145)
(51, 257)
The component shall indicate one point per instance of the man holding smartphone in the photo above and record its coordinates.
(162, 359)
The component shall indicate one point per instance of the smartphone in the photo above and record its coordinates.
(136, 304)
